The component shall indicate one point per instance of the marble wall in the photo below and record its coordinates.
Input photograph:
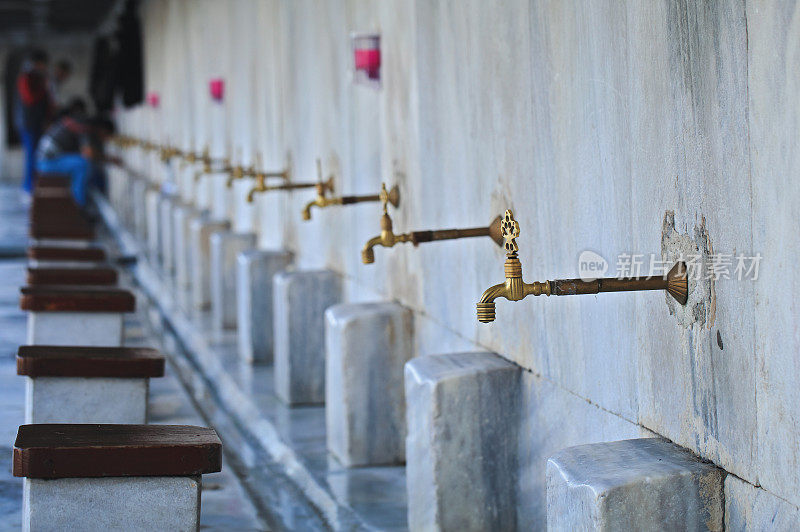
(617, 127)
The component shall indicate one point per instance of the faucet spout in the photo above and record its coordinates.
(251, 195)
(319, 201)
(367, 253)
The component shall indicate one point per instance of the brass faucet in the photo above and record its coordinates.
(168, 152)
(323, 201)
(676, 282)
(208, 165)
(238, 171)
(261, 183)
(388, 239)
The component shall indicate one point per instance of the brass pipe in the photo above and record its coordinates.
(167, 152)
(261, 184)
(237, 172)
(322, 201)
(208, 165)
(676, 282)
(388, 238)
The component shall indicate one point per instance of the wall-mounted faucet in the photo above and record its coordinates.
(676, 282)
(388, 239)
(208, 165)
(167, 152)
(261, 183)
(322, 201)
(239, 172)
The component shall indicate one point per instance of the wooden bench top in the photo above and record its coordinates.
(53, 175)
(55, 253)
(72, 276)
(62, 231)
(63, 361)
(72, 451)
(76, 299)
(52, 180)
(56, 213)
(51, 192)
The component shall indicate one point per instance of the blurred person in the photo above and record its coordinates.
(34, 110)
(76, 107)
(74, 146)
(61, 73)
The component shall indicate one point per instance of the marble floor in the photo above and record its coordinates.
(226, 505)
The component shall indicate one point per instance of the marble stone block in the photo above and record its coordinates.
(166, 238)
(254, 301)
(181, 218)
(225, 247)
(153, 230)
(139, 210)
(639, 484)
(300, 302)
(463, 413)
(101, 504)
(366, 347)
(90, 329)
(201, 229)
(86, 400)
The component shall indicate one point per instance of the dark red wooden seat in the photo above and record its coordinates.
(76, 299)
(67, 254)
(71, 451)
(72, 276)
(63, 361)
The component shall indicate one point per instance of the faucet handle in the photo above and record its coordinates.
(510, 231)
(384, 197)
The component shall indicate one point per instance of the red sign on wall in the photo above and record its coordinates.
(216, 88)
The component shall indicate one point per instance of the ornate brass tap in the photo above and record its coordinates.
(676, 282)
(239, 172)
(261, 183)
(322, 201)
(167, 152)
(388, 239)
(208, 164)
(148, 146)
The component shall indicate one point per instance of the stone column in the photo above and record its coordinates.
(201, 228)
(463, 414)
(153, 228)
(640, 484)
(225, 247)
(366, 346)
(139, 208)
(254, 301)
(181, 219)
(166, 236)
(300, 302)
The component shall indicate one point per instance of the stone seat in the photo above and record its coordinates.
(66, 254)
(96, 276)
(87, 384)
(122, 477)
(76, 315)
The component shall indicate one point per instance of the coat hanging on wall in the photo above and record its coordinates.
(130, 68)
(103, 75)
